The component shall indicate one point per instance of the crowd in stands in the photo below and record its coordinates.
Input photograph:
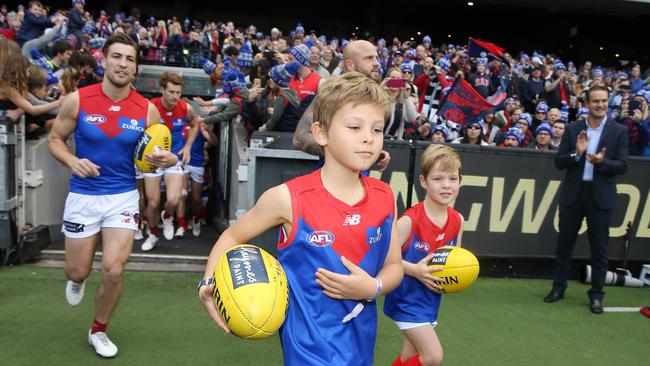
(45, 56)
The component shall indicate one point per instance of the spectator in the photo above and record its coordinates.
(14, 87)
(557, 88)
(472, 135)
(13, 27)
(558, 131)
(36, 126)
(76, 22)
(430, 84)
(286, 102)
(480, 80)
(175, 44)
(524, 122)
(440, 134)
(31, 34)
(306, 82)
(504, 118)
(70, 80)
(403, 115)
(541, 113)
(553, 115)
(513, 138)
(328, 60)
(543, 136)
(637, 122)
(314, 62)
(61, 52)
(636, 81)
(533, 89)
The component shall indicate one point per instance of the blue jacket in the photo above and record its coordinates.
(32, 27)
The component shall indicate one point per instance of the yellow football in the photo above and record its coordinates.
(251, 291)
(155, 138)
(460, 268)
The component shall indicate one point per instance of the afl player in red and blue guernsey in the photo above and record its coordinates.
(338, 244)
(107, 119)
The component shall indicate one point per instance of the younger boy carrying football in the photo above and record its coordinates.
(423, 228)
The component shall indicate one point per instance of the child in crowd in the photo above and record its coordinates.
(333, 278)
(423, 228)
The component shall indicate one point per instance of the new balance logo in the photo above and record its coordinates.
(351, 220)
(440, 237)
(114, 108)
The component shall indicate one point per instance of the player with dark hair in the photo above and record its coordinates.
(107, 120)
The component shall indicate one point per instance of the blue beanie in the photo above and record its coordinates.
(559, 65)
(51, 79)
(515, 132)
(245, 57)
(526, 117)
(544, 127)
(426, 39)
(301, 53)
(444, 63)
(300, 29)
(282, 74)
(310, 42)
(564, 114)
(443, 129)
(230, 81)
(208, 66)
(598, 71)
(643, 94)
(482, 61)
(582, 112)
(406, 67)
(541, 106)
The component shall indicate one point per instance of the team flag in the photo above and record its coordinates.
(477, 48)
(464, 105)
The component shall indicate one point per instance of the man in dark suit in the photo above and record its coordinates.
(593, 152)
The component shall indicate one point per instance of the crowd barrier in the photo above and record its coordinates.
(508, 196)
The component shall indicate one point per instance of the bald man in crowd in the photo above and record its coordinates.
(360, 56)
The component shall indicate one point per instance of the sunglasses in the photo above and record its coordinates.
(474, 127)
(540, 112)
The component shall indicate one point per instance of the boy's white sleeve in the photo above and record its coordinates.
(220, 102)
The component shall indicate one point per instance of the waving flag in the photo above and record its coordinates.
(464, 105)
(476, 48)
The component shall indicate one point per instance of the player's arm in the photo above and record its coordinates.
(64, 125)
(419, 270)
(191, 137)
(272, 209)
(359, 285)
(164, 158)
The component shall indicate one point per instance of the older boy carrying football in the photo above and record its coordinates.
(423, 228)
(338, 245)
(107, 120)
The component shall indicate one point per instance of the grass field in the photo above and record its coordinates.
(160, 322)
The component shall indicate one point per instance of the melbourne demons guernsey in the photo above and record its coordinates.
(175, 120)
(411, 301)
(106, 134)
(323, 230)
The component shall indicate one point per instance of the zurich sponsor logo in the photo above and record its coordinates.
(376, 237)
(131, 125)
(95, 119)
(320, 238)
(422, 246)
(179, 122)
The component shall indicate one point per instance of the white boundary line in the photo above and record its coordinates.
(620, 309)
(138, 255)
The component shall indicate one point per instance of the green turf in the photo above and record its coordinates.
(160, 322)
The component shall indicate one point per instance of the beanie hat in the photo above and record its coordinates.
(231, 81)
(51, 79)
(542, 106)
(564, 114)
(526, 117)
(444, 63)
(598, 71)
(208, 66)
(544, 127)
(443, 129)
(510, 100)
(426, 39)
(643, 94)
(309, 43)
(406, 67)
(381, 42)
(245, 57)
(559, 65)
(282, 74)
(582, 112)
(514, 132)
(299, 29)
(301, 53)
(482, 61)
(323, 39)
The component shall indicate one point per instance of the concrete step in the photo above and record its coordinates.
(53, 258)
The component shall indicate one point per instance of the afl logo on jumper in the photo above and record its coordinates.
(320, 238)
(420, 245)
(95, 119)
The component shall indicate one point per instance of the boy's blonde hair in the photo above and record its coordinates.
(448, 158)
(351, 87)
